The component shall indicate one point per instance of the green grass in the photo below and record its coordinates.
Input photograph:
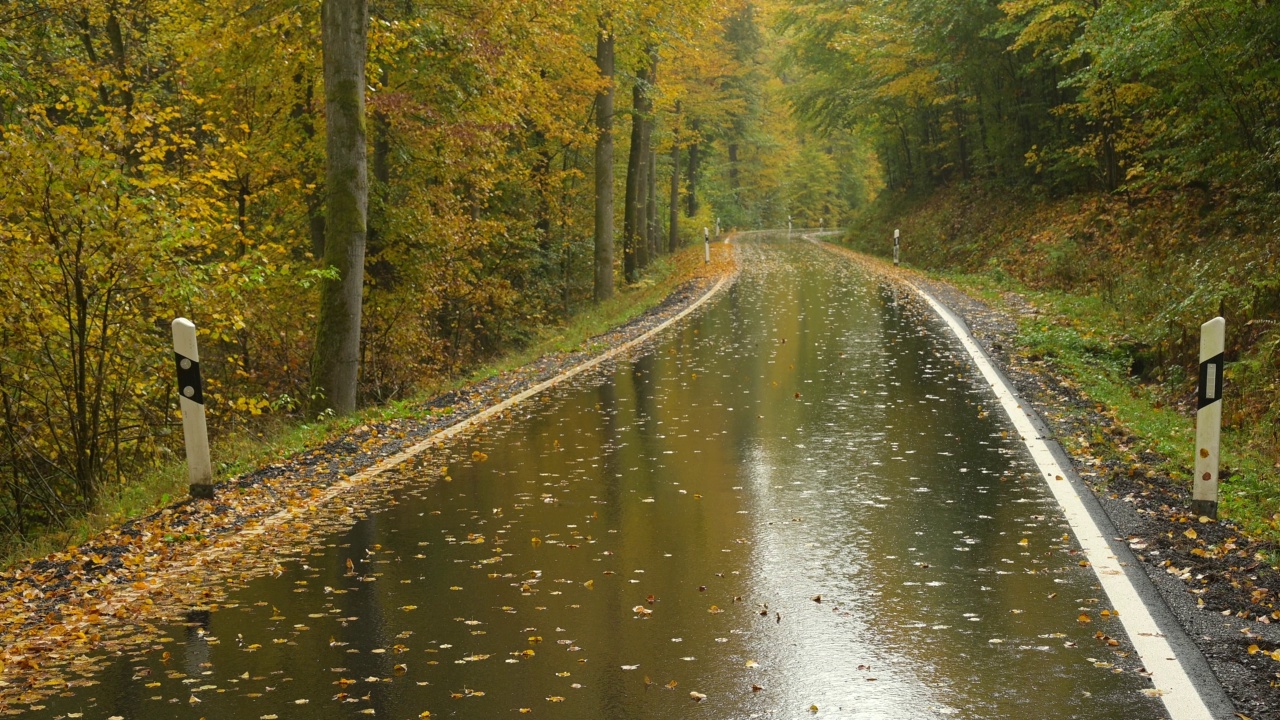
(1083, 337)
(1107, 306)
(277, 438)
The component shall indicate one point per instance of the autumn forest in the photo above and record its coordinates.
(455, 176)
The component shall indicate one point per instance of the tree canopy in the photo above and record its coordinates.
(1065, 94)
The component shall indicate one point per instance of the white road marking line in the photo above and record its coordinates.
(1179, 694)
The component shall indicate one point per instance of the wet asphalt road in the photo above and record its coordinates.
(800, 501)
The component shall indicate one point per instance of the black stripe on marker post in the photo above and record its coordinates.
(1210, 381)
(189, 385)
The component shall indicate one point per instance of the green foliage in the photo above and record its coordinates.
(1149, 61)
(87, 267)
(766, 162)
(166, 158)
(1059, 93)
(1130, 283)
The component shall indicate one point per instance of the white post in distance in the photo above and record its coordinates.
(788, 228)
(896, 235)
(1204, 492)
(191, 401)
(717, 227)
(706, 241)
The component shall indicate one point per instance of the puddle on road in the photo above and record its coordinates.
(800, 499)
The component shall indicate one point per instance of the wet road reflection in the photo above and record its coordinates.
(801, 500)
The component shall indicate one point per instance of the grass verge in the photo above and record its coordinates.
(1122, 282)
(275, 438)
(1085, 340)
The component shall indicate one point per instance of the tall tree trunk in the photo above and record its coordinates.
(382, 138)
(673, 232)
(633, 209)
(1108, 157)
(379, 272)
(906, 149)
(987, 162)
(693, 174)
(604, 165)
(336, 362)
(640, 236)
(304, 114)
(960, 118)
(541, 173)
(733, 168)
(652, 227)
(542, 187)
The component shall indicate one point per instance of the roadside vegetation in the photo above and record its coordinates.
(277, 437)
(167, 158)
(1116, 163)
(1119, 314)
(353, 206)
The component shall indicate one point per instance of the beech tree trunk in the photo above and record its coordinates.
(379, 273)
(673, 232)
(336, 363)
(303, 113)
(693, 175)
(642, 201)
(733, 168)
(640, 169)
(653, 228)
(633, 208)
(604, 165)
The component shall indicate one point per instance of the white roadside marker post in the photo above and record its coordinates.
(717, 227)
(896, 235)
(706, 240)
(788, 228)
(191, 401)
(1204, 492)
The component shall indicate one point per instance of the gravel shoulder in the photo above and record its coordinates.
(1217, 582)
(68, 614)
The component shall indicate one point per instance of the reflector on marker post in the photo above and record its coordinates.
(191, 400)
(1204, 491)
